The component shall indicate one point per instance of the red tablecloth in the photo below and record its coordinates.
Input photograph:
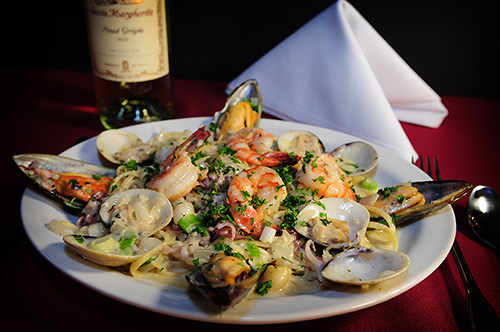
(48, 111)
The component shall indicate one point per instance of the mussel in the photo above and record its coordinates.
(69, 181)
(422, 198)
(243, 109)
(224, 280)
(339, 224)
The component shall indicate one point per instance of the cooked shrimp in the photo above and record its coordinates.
(254, 195)
(254, 145)
(178, 176)
(178, 180)
(321, 173)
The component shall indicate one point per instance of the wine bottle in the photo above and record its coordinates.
(128, 44)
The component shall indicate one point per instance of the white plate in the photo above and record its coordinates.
(426, 242)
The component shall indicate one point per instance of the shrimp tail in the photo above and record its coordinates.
(271, 158)
(189, 145)
(283, 158)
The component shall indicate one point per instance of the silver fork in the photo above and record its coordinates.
(482, 316)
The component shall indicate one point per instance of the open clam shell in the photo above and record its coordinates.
(130, 216)
(356, 158)
(300, 141)
(333, 222)
(247, 91)
(113, 143)
(34, 165)
(365, 266)
(143, 210)
(82, 245)
(437, 195)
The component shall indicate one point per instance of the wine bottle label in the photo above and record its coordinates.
(128, 39)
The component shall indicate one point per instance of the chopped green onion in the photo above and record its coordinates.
(253, 249)
(149, 261)
(104, 244)
(190, 224)
(127, 242)
(369, 184)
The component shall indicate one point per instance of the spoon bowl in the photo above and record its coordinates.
(483, 211)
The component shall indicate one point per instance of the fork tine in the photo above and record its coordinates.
(436, 169)
(429, 167)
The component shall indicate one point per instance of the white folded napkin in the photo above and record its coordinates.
(337, 72)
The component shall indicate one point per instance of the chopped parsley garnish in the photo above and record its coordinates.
(151, 171)
(257, 202)
(263, 288)
(228, 251)
(197, 156)
(79, 238)
(307, 157)
(196, 261)
(213, 127)
(387, 191)
(245, 194)
(286, 173)
(292, 203)
(321, 179)
(131, 165)
(325, 221)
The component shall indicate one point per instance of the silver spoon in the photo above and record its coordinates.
(357, 158)
(483, 210)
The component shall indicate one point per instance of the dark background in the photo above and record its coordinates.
(453, 46)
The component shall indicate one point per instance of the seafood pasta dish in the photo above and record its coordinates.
(233, 211)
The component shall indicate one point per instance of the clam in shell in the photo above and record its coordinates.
(108, 252)
(130, 215)
(356, 158)
(361, 266)
(118, 146)
(333, 222)
(300, 141)
(143, 210)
